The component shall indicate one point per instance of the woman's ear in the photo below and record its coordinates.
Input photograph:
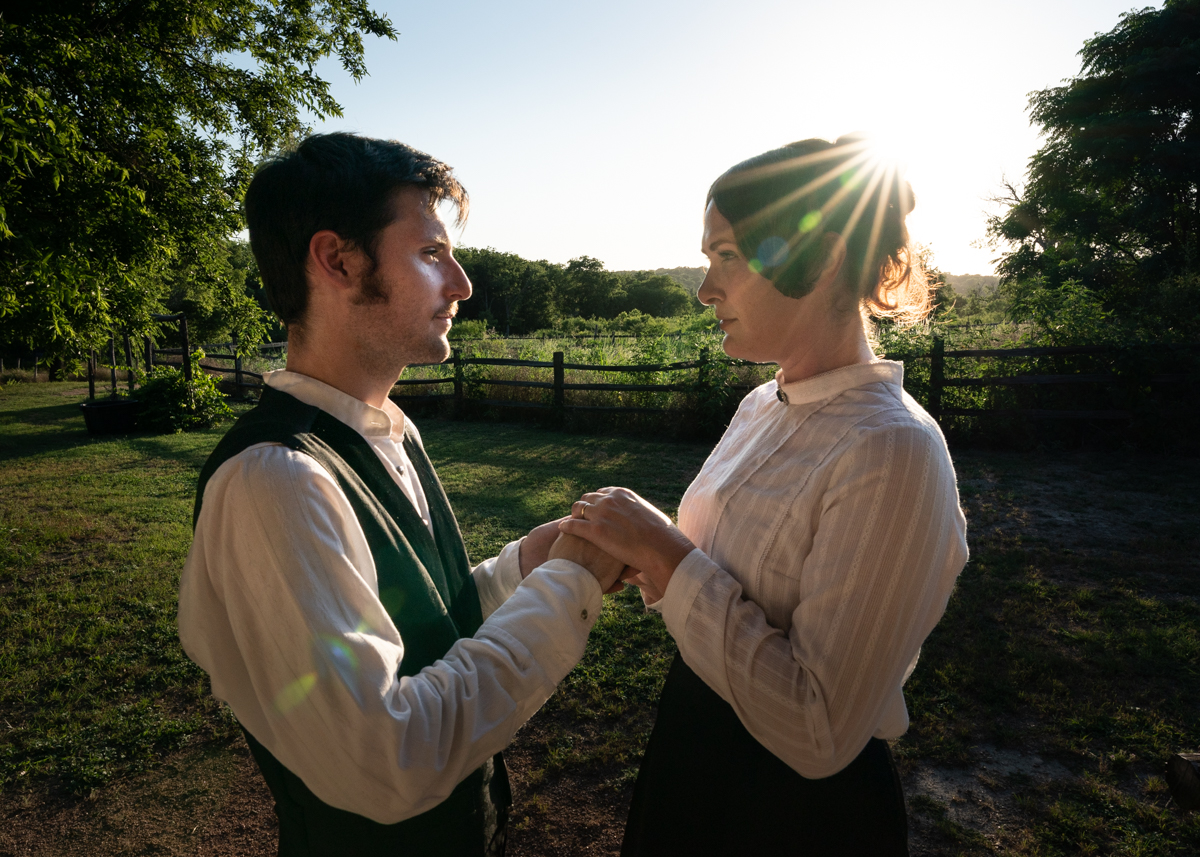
(833, 256)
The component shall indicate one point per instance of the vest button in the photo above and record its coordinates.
(583, 614)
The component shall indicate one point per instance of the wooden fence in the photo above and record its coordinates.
(938, 382)
(557, 383)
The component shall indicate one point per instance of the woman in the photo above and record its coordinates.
(820, 542)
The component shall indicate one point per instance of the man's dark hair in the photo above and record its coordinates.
(341, 182)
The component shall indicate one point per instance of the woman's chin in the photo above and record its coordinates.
(735, 349)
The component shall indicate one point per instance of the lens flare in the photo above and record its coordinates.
(809, 222)
(772, 251)
(295, 693)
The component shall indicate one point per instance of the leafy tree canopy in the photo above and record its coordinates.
(128, 132)
(1112, 199)
(516, 295)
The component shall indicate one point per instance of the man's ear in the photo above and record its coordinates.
(334, 262)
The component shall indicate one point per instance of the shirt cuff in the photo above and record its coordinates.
(591, 598)
(550, 615)
(686, 582)
(497, 578)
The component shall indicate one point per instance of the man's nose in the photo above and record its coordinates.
(458, 286)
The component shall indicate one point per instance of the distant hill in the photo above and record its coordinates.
(965, 284)
(689, 278)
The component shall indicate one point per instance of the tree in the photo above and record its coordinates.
(509, 292)
(1112, 199)
(128, 132)
(657, 295)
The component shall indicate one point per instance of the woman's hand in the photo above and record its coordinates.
(627, 527)
(650, 593)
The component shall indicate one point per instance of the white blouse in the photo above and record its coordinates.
(829, 539)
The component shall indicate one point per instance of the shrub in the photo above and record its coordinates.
(471, 328)
(170, 404)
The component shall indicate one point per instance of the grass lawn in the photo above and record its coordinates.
(1043, 709)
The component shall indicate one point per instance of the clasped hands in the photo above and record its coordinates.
(616, 535)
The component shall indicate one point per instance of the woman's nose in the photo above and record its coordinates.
(708, 293)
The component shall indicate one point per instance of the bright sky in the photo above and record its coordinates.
(596, 128)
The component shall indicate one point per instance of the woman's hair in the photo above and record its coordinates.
(782, 203)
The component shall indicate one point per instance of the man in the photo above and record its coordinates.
(327, 593)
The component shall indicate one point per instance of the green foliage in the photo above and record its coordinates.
(218, 296)
(475, 328)
(171, 404)
(1071, 314)
(518, 296)
(128, 132)
(1110, 201)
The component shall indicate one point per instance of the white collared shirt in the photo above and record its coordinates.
(383, 428)
(279, 604)
(829, 537)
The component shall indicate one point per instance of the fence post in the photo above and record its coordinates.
(237, 365)
(937, 375)
(112, 361)
(559, 397)
(129, 361)
(91, 374)
(149, 352)
(187, 351)
(456, 360)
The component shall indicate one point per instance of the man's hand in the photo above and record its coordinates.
(603, 567)
(535, 547)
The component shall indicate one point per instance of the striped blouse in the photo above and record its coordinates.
(829, 539)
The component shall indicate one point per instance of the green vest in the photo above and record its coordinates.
(425, 585)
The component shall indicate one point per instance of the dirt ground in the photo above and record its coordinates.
(212, 801)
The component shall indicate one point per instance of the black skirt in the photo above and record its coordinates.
(706, 787)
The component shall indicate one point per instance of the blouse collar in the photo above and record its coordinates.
(829, 384)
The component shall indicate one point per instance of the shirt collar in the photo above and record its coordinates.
(365, 419)
(829, 384)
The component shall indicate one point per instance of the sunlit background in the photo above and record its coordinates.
(595, 129)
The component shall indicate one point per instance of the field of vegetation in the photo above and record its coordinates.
(1043, 709)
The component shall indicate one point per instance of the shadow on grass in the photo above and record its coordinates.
(47, 428)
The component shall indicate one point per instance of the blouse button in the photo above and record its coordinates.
(583, 614)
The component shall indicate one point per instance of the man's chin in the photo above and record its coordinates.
(439, 350)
